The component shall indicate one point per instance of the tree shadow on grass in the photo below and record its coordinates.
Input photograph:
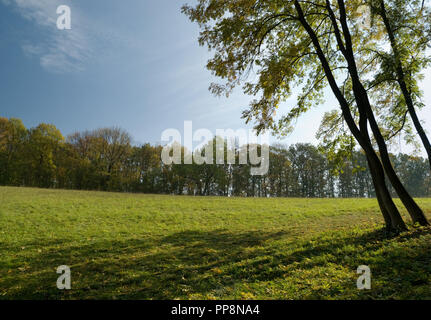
(163, 268)
(199, 263)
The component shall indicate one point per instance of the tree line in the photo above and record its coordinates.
(106, 160)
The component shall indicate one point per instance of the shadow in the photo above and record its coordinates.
(155, 268)
(195, 263)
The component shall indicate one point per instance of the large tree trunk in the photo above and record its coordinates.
(364, 105)
(402, 82)
(393, 219)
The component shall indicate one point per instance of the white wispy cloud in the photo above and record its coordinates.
(60, 51)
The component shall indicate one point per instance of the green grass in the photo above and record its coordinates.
(125, 246)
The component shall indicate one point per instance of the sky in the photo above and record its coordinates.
(135, 64)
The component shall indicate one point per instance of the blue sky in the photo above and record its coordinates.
(134, 64)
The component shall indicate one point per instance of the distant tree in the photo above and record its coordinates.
(413, 171)
(280, 172)
(13, 136)
(114, 146)
(86, 158)
(43, 146)
(147, 160)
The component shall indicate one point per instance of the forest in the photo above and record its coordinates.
(107, 160)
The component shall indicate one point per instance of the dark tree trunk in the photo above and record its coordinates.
(393, 219)
(388, 208)
(401, 80)
(414, 210)
(363, 103)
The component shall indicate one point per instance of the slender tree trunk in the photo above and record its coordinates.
(414, 210)
(388, 208)
(417, 124)
(402, 82)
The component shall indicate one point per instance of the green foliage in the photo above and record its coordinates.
(40, 151)
(263, 39)
(410, 29)
(125, 246)
(13, 137)
(264, 46)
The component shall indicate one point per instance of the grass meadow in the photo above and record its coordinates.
(133, 246)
